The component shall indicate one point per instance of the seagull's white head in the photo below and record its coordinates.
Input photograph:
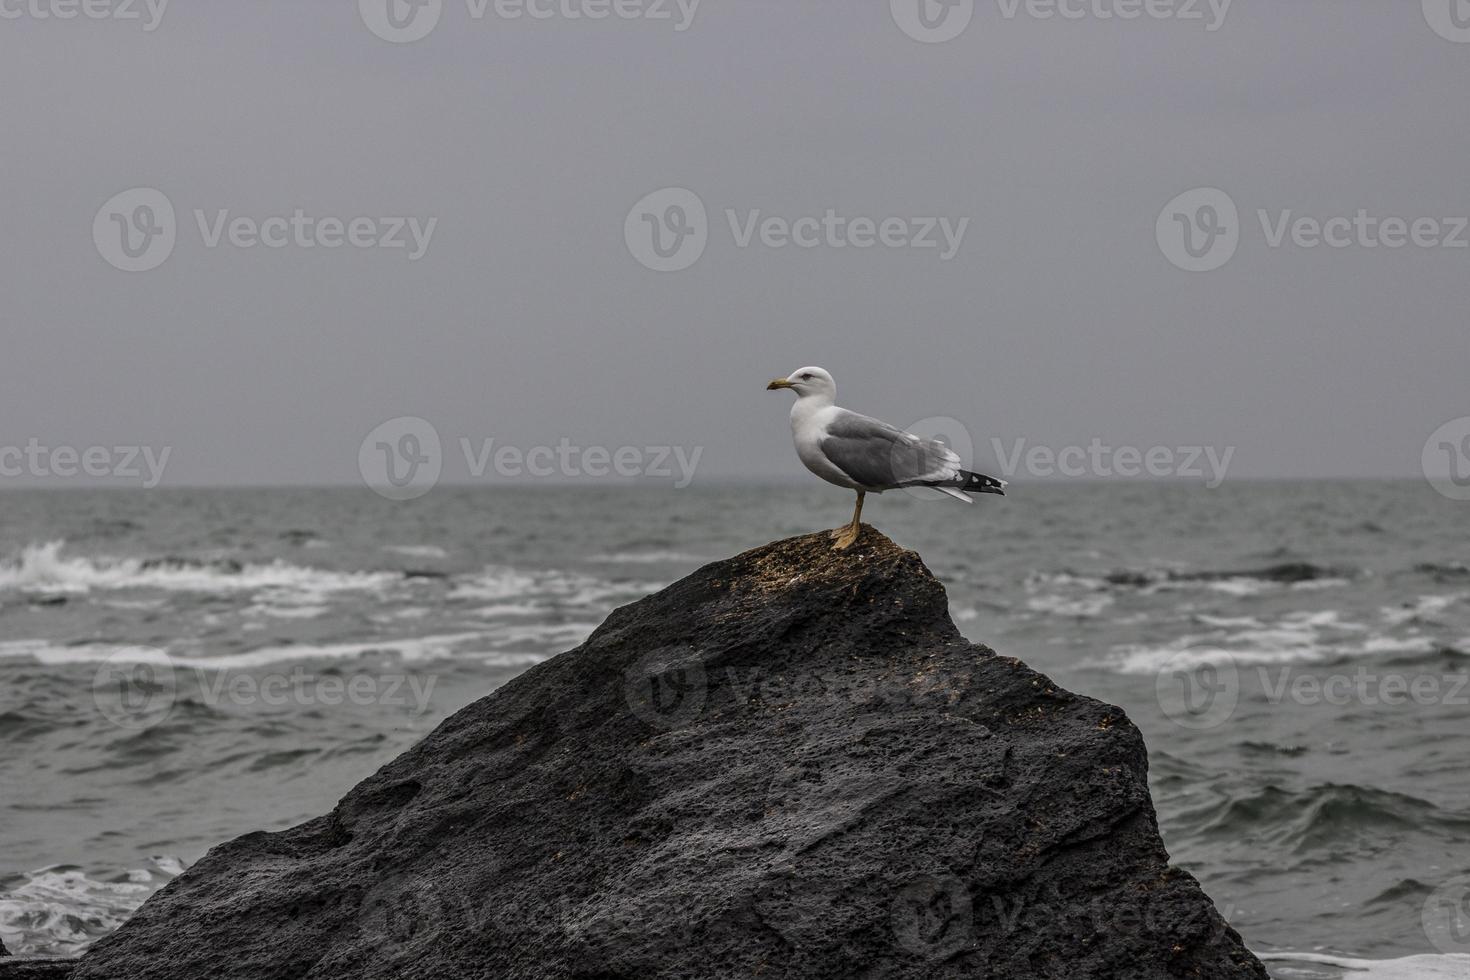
(807, 382)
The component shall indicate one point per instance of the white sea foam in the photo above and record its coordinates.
(134, 605)
(1445, 966)
(1406, 644)
(552, 634)
(1066, 579)
(499, 609)
(22, 649)
(414, 649)
(286, 612)
(1066, 594)
(500, 583)
(647, 558)
(1423, 607)
(61, 910)
(1299, 637)
(43, 568)
(1314, 584)
(1082, 607)
(1227, 622)
(417, 550)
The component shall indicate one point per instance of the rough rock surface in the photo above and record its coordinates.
(788, 764)
(35, 967)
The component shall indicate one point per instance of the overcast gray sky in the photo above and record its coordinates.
(528, 319)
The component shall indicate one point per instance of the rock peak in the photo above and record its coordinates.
(787, 764)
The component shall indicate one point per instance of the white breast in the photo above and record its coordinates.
(808, 428)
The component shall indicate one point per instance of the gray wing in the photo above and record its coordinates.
(877, 456)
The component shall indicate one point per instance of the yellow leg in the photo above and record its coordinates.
(847, 536)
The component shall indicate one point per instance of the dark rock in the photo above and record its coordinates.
(788, 764)
(37, 967)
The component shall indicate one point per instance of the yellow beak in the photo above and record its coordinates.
(779, 383)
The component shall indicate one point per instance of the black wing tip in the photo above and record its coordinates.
(980, 483)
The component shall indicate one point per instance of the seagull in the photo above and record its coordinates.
(866, 455)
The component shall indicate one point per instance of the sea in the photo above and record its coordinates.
(179, 667)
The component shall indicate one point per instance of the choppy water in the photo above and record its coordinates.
(181, 667)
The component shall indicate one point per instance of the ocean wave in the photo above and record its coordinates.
(1322, 818)
(1079, 607)
(414, 649)
(1422, 609)
(43, 568)
(1237, 582)
(417, 550)
(1441, 572)
(647, 558)
(1430, 966)
(495, 584)
(1298, 637)
(60, 910)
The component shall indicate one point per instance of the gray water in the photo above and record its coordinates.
(181, 667)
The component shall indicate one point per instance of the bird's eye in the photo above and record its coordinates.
(805, 377)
